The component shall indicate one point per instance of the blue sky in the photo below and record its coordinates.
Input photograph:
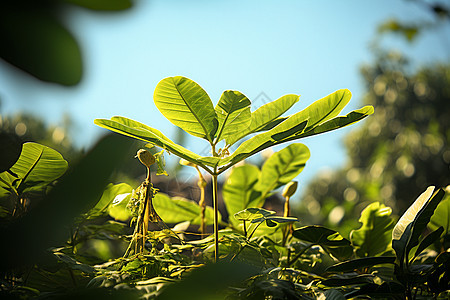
(269, 48)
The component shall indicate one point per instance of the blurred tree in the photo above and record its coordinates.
(404, 146)
(439, 13)
(400, 150)
(29, 128)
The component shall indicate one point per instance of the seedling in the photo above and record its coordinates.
(189, 107)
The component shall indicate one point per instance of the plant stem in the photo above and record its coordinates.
(288, 228)
(201, 184)
(216, 217)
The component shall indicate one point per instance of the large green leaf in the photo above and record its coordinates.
(233, 114)
(312, 120)
(338, 122)
(410, 215)
(326, 108)
(408, 229)
(109, 194)
(319, 235)
(328, 239)
(252, 213)
(423, 218)
(238, 190)
(282, 167)
(374, 235)
(263, 141)
(176, 210)
(37, 167)
(441, 216)
(35, 41)
(187, 106)
(266, 114)
(143, 132)
(429, 240)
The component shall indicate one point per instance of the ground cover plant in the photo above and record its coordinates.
(135, 242)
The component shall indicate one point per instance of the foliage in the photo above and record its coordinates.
(80, 251)
(189, 107)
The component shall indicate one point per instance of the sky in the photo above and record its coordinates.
(264, 49)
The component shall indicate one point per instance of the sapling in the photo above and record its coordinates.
(141, 205)
(189, 107)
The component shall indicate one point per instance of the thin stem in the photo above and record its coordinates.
(201, 184)
(245, 229)
(216, 218)
(288, 228)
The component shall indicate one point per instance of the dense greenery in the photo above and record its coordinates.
(77, 235)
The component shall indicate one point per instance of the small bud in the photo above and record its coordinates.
(146, 158)
(290, 189)
(186, 163)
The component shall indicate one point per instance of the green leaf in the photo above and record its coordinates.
(441, 216)
(410, 215)
(233, 114)
(37, 167)
(143, 132)
(319, 235)
(265, 115)
(263, 141)
(118, 209)
(176, 210)
(55, 56)
(184, 103)
(374, 235)
(282, 167)
(258, 215)
(361, 263)
(330, 240)
(252, 213)
(238, 190)
(429, 240)
(278, 219)
(108, 196)
(416, 219)
(301, 124)
(338, 122)
(325, 109)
